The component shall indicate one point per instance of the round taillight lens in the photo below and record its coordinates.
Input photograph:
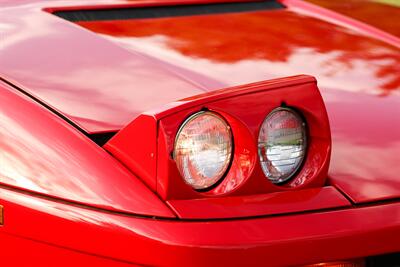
(203, 149)
(282, 144)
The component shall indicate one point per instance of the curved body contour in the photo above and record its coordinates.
(65, 200)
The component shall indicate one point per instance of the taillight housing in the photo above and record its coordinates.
(167, 148)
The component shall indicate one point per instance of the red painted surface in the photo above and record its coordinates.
(103, 80)
(367, 11)
(346, 21)
(179, 58)
(41, 153)
(38, 253)
(260, 205)
(358, 74)
(275, 241)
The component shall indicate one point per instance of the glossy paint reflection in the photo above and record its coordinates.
(90, 80)
(261, 45)
(103, 81)
(202, 243)
(359, 78)
(41, 153)
(366, 144)
(368, 11)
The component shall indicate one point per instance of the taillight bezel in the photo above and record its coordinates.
(244, 108)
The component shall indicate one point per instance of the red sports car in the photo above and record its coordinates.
(199, 133)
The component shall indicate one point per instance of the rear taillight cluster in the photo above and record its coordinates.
(204, 147)
(253, 139)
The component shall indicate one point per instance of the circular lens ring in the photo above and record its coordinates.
(302, 121)
(227, 163)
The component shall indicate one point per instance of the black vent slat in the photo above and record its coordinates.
(165, 11)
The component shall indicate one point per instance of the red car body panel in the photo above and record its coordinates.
(354, 65)
(116, 95)
(72, 203)
(284, 202)
(35, 157)
(274, 241)
(367, 11)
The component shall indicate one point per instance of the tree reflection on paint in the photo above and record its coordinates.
(272, 36)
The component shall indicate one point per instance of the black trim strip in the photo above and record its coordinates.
(165, 11)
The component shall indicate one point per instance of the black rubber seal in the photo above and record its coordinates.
(165, 11)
